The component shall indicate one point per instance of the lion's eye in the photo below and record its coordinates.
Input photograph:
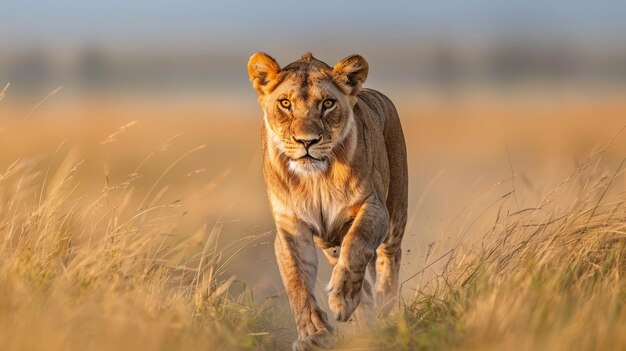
(328, 103)
(285, 103)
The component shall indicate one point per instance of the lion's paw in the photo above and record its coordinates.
(322, 339)
(344, 292)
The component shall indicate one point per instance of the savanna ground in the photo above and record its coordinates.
(135, 224)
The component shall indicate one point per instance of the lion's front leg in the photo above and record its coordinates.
(357, 249)
(297, 263)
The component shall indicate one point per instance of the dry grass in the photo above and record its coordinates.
(129, 237)
(111, 269)
(547, 277)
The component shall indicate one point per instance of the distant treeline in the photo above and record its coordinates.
(436, 64)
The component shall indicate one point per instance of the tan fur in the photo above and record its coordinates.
(336, 178)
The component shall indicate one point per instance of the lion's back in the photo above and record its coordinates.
(381, 109)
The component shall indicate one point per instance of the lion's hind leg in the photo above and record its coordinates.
(387, 279)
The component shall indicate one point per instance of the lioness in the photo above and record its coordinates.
(335, 168)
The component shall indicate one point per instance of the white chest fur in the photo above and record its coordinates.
(324, 208)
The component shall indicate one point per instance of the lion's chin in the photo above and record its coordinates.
(307, 165)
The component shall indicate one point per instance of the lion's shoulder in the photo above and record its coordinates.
(376, 107)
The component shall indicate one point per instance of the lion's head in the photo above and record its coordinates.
(308, 106)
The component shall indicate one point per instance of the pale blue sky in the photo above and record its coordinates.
(237, 23)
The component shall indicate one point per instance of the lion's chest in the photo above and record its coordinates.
(326, 210)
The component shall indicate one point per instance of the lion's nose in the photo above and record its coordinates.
(307, 140)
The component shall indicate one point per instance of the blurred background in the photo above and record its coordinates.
(492, 95)
(152, 48)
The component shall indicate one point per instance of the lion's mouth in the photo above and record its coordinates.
(307, 163)
(308, 157)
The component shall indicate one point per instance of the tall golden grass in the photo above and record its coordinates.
(121, 237)
(546, 277)
(110, 269)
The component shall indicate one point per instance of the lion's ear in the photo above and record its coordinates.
(351, 73)
(263, 70)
